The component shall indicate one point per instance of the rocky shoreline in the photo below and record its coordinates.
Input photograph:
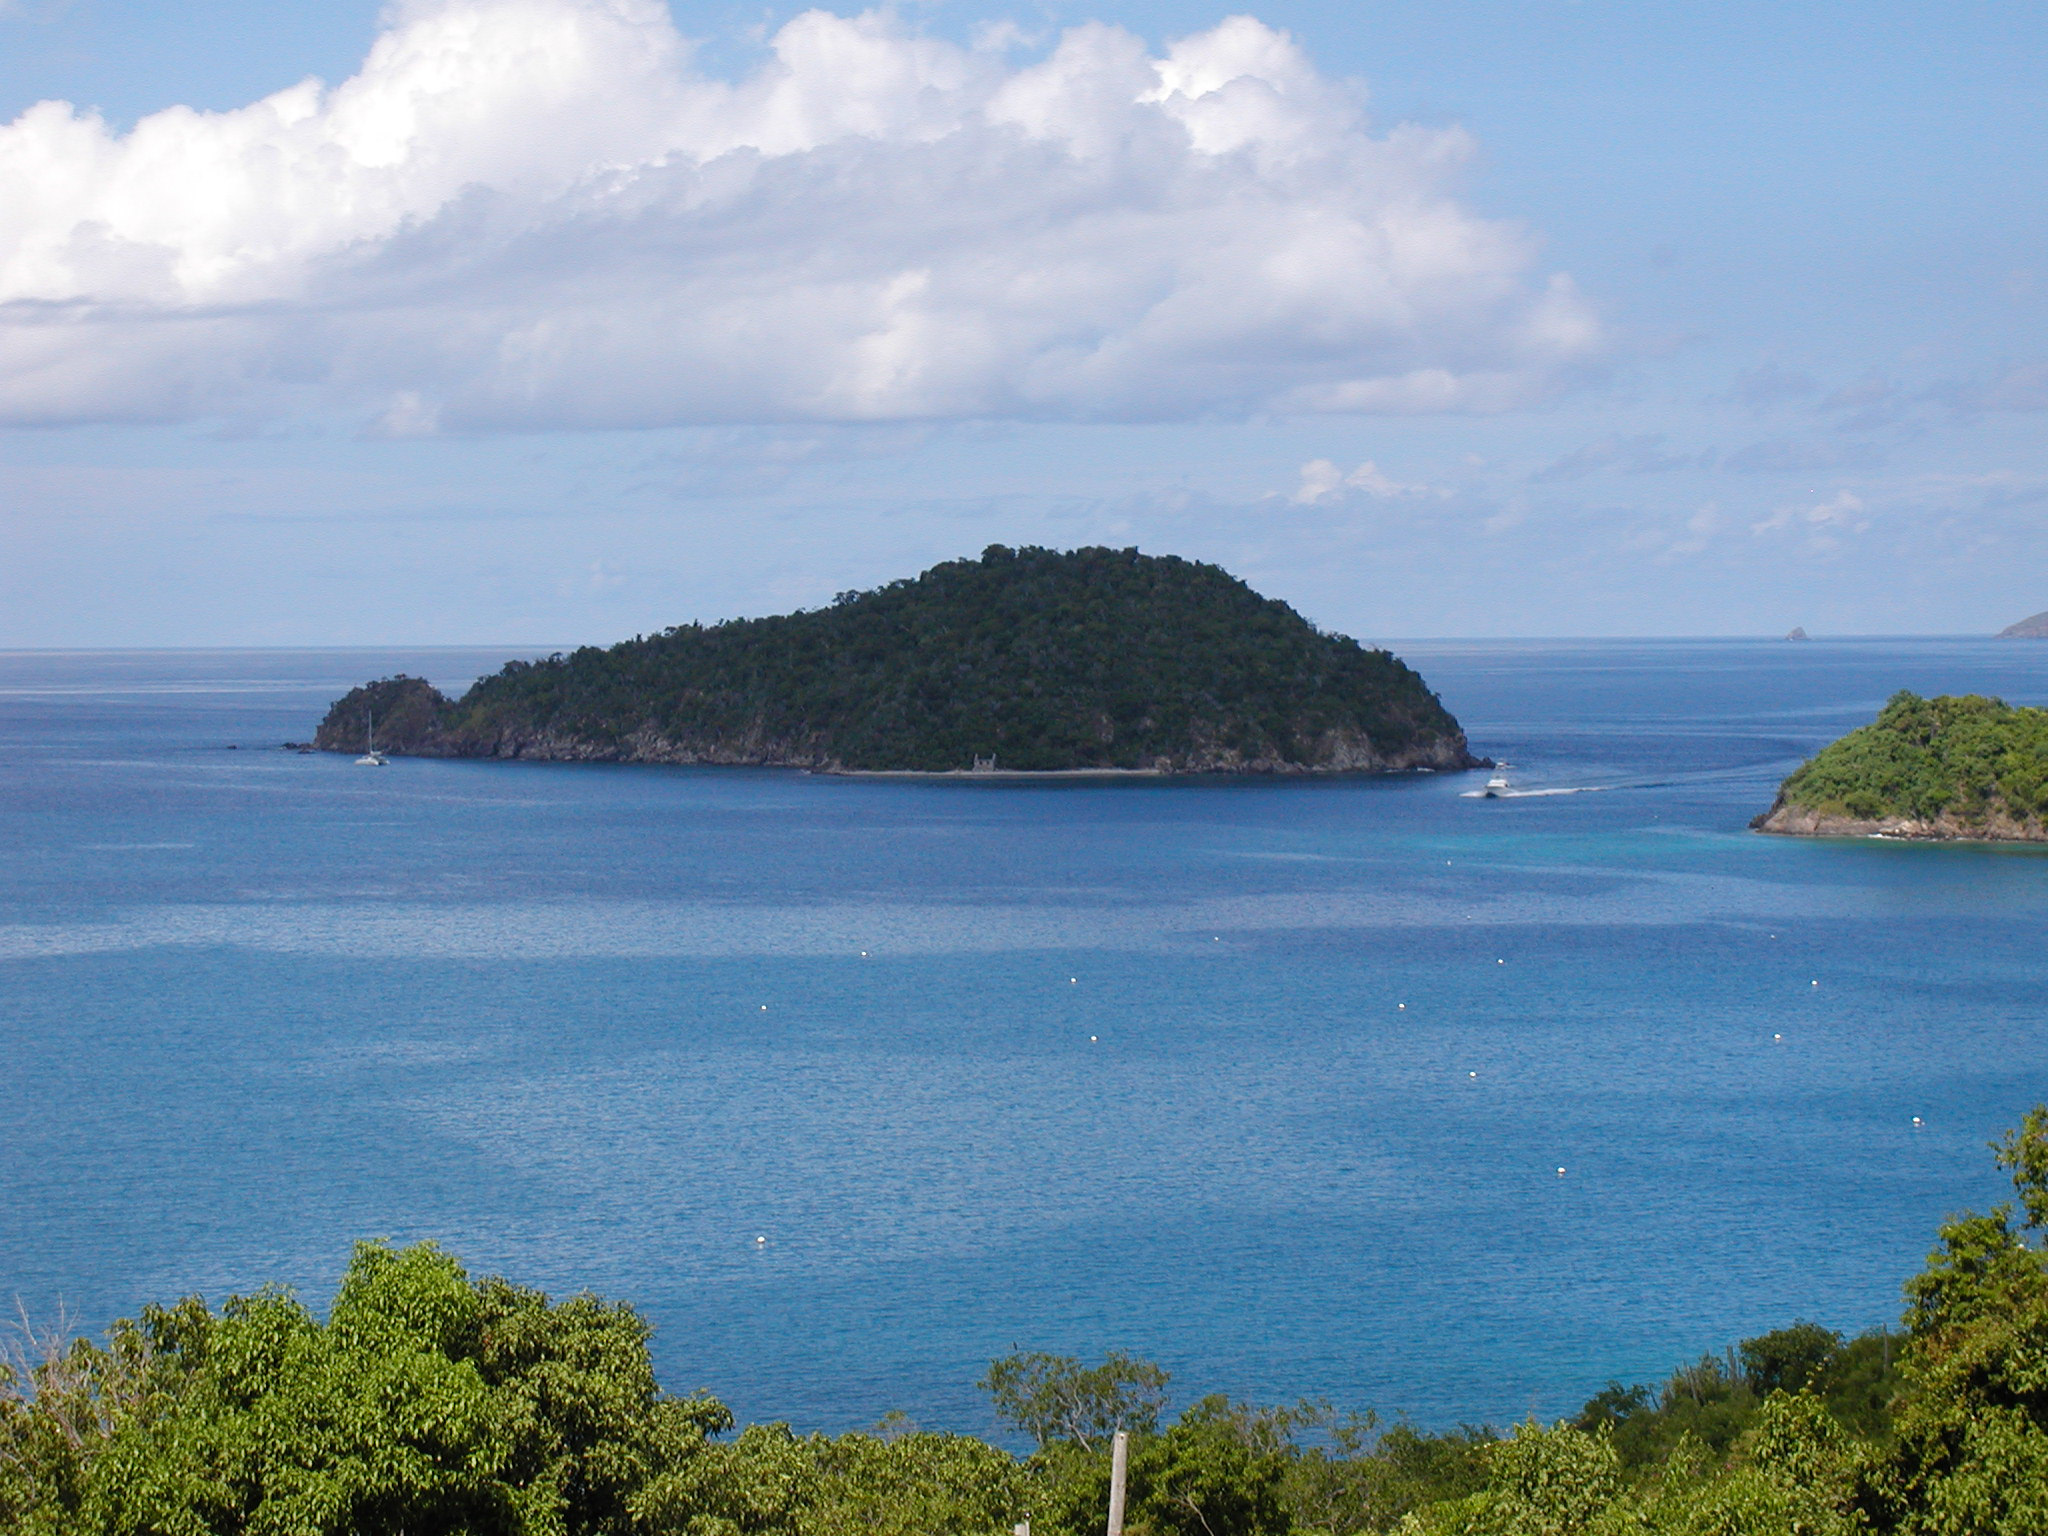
(413, 735)
(1035, 775)
(1787, 820)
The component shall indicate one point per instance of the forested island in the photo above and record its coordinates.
(1026, 660)
(1944, 768)
(429, 1401)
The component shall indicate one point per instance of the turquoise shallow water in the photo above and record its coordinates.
(1269, 1081)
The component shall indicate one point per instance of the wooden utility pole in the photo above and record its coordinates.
(1119, 1463)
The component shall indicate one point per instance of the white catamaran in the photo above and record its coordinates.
(371, 757)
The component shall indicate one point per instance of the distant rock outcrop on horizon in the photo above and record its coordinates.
(1798, 634)
(2035, 628)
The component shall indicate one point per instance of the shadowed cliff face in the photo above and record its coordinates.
(1027, 660)
(1335, 753)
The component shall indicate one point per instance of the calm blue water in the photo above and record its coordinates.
(1186, 1069)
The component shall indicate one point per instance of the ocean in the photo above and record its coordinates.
(1359, 1089)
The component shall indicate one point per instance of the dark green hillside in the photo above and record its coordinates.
(1964, 766)
(392, 709)
(1035, 658)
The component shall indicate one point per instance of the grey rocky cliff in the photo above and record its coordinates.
(1334, 752)
(1998, 826)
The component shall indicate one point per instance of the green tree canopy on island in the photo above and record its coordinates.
(1032, 659)
(1965, 765)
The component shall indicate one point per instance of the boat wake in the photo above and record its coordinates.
(1531, 794)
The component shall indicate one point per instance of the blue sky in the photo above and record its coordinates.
(559, 321)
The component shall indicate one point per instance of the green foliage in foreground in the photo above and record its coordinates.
(1054, 1398)
(1038, 658)
(426, 1402)
(432, 1403)
(1966, 757)
(1716, 1401)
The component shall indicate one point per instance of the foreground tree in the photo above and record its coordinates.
(1972, 1422)
(426, 1403)
(1056, 1399)
(1220, 1470)
(430, 1404)
(770, 1481)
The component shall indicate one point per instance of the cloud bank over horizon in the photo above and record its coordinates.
(539, 215)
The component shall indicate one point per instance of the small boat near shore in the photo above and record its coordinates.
(371, 757)
(1500, 788)
(1496, 787)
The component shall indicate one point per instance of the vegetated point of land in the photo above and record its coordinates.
(2035, 628)
(1954, 767)
(1026, 660)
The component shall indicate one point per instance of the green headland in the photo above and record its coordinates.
(1943, 768)
(1025, 660)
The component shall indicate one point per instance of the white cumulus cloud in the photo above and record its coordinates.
(1322, 480)
(527, 214)
(1824, 523)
